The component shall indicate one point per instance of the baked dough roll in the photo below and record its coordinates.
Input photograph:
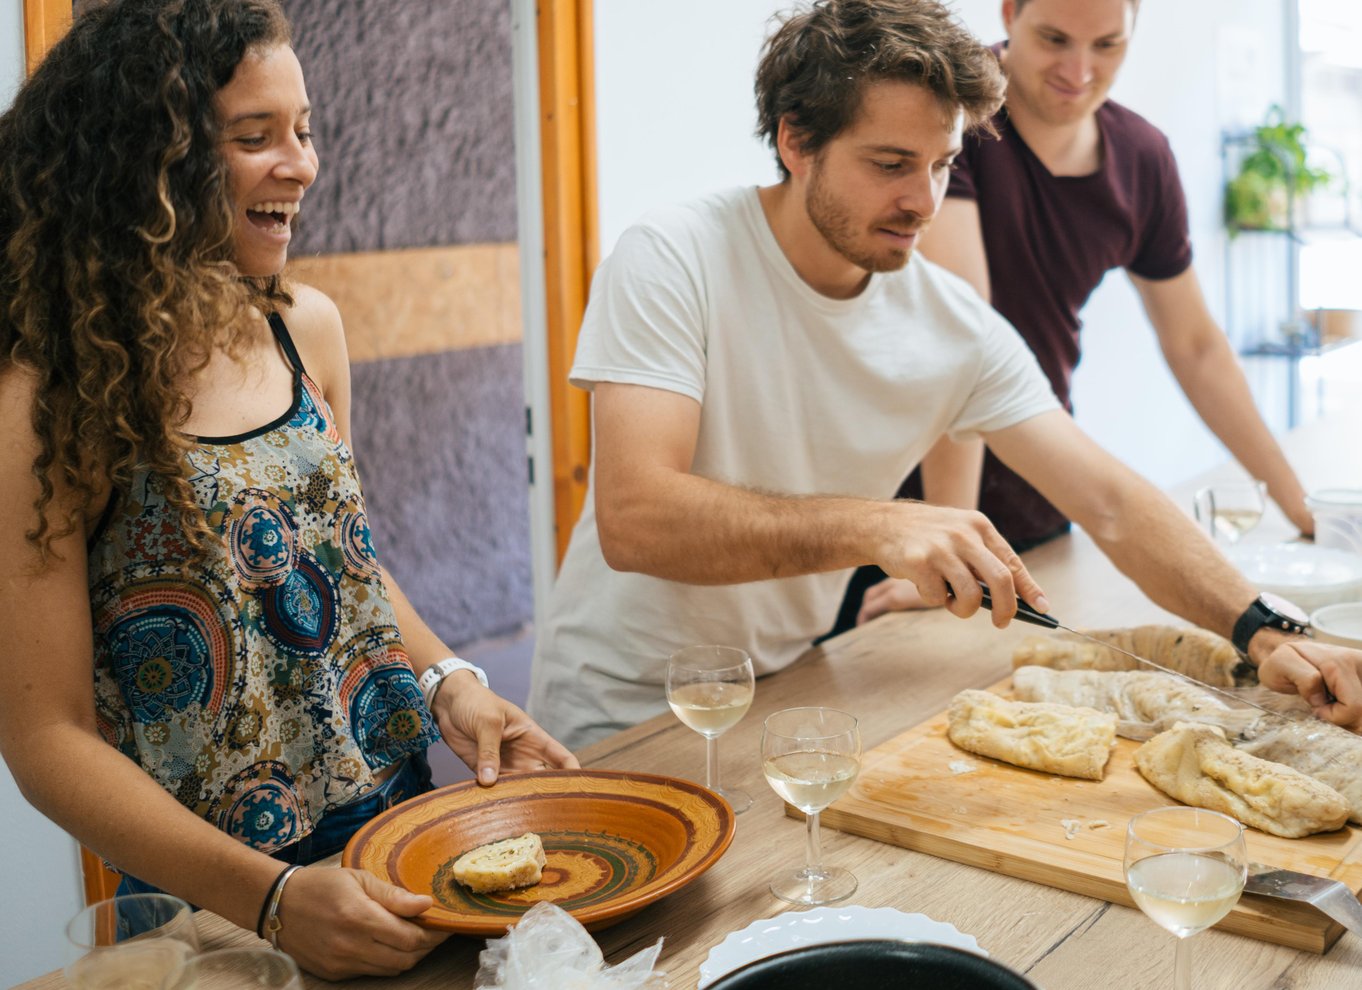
(504, 865)
(1195, 764)
(1135, 696)
(1199, 654)
(1059, 739)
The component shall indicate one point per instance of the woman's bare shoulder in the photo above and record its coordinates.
(312, 314)
(315, 324)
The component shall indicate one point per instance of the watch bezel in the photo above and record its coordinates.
(1271, 611)
(1286, 608)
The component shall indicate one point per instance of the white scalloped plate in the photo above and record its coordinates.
(795, 929)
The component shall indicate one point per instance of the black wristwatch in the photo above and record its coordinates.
(1271, 611)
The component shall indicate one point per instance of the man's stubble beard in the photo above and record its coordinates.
(832, 220)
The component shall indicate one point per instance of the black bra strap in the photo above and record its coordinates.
(285, 339)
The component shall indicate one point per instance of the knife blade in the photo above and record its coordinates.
(1025, 613)
(1331, 897)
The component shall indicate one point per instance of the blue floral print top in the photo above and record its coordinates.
(270, 685)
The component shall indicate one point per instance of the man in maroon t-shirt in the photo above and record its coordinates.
(1074, 186)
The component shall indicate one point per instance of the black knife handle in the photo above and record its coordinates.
(1025, 613)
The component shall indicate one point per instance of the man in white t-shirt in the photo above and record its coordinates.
(766, 365)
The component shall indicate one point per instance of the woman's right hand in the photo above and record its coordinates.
(338, 923)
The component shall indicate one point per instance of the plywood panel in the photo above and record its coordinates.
(420, 301)
(1009, 820)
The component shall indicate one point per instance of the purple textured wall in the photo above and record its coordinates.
(413, 123)
(413, 119)
(440, 443)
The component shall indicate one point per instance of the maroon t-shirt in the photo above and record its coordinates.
(1049, 241)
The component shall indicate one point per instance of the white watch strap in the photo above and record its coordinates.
(433, 675)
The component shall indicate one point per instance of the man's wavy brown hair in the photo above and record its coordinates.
(815, 67)
(116, 222)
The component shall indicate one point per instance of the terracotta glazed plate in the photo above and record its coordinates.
(614, 841)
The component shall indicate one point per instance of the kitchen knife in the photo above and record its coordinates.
(1332, 897)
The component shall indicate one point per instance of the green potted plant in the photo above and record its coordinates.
(1272, 174)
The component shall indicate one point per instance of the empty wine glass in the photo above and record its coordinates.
(238, 969)
(1185, 868)
(710, 689)
(130, 942)
(811, 756)
(1230, 510)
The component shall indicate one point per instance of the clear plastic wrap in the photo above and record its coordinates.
(548, 949)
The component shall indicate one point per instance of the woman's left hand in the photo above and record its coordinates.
(490, 734)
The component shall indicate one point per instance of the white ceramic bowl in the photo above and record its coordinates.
(1308, 575)
(794, 929)
(1340, 624)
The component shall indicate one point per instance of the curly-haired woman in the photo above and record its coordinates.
(181, 523)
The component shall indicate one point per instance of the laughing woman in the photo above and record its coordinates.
(207, 676)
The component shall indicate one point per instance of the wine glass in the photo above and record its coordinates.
(1185, 868)
(130, 942)
(238, 969)
(1230, 510)
(710, 689)
(811, 757)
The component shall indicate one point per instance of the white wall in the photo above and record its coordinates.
(39, 863)
(675, 119)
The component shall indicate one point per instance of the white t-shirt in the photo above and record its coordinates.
(800, 394)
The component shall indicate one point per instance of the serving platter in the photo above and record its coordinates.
(614, 842)
(919, 791)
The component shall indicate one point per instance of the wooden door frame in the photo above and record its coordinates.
(567, 120)
(44, 22)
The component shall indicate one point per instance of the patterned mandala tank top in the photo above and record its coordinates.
(271, 685)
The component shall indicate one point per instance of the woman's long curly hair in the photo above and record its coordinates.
(116, 221)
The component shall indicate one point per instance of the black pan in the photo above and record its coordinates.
(879, 963)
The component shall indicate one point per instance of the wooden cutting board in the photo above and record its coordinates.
(911, 793)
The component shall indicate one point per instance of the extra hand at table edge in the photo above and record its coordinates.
(1328, 677)
(490, 734)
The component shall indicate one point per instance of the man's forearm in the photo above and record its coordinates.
(1158, 547)
(1217, 389)
(699, 531)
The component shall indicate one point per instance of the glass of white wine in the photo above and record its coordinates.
(238, 969)
(130, 942)
(710, 689)
(1185, 868)
(811, 757)
(1230, 510)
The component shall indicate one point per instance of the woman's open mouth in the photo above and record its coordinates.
(272, 217)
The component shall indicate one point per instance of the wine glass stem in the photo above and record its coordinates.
(813, 856)
(1182, 965)
(712, 762)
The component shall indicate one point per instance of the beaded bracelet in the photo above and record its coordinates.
(269, 924)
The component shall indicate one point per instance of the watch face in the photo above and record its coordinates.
(1285, 608)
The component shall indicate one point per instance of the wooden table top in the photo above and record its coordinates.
(893, 673)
